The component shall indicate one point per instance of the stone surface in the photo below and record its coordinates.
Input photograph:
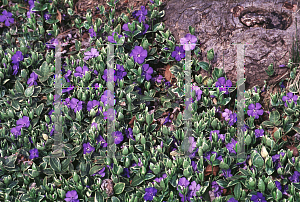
(219, 24)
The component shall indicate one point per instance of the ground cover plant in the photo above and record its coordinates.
(149, 110)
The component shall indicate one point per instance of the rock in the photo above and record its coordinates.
(267, 25)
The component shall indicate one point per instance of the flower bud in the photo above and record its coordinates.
(264, 153)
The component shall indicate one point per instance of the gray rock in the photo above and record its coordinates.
(219, 24)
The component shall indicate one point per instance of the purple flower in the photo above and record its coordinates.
(255, 111)
(221, 82)
(7, 17)
(100, 172)
(233, 119)
(151, 1)
(295, 178)
(258, 197)
(18, 56)
(227, 173)
(178, 53)
(259, 133)
(231, 146)
(67, 75)
(16, 131)
(87, 148)
(183, 182)
(24, 122)
(147, 71)
(111, 38)
(76, 105)
(167, 120)
(92, 32)
(145, 29)
(142, 14)
(80, 71)
(120, 72)
(94, 124)
(159, 78)
(71, 196)
(107, 97)
(232, 200)
(139, 54)
(194, 187)
(126, 173)
(198, 92)
(194, 165)
(217, 189)
(118, 137)
(189, 39)
(129, 133)
(226, 114)
(102, 142)
(32, 80)
(47, 16)
(67, 102)
(290, 98)
(91, 54)
(150, 193)
(34, 153)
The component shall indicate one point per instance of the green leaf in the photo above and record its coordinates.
(158, 27)
(274, 116)
(29, 91)
(119, 188)
(192, 30)
(297, 129)
(55, 164)
(44, 68)
(137, 180)
(33, 173)
(51, 21)
(48, 171)
(98, 197)
(222, 183)
(95, 169)
(204, 65)
(237, 190)
(15, 105)
(39, 109)
(258, 161)
(115, 199)
(19, 87)
(149, 176)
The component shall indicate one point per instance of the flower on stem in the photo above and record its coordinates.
(150, 193)
(120, 73)
(67, 75)
(223, 83)
(7, 18)
(34, 153)
(217, 189)
(259, 133)
(92, 32)
(231, 146)
(72, 196)
(32, 80)
(87, 148)
(189, 41)
(18, 57)
(80, 71)
(107, 98)
(147, 71)
(258, 197)
(100, 172)
(255, 111)
(142, 14)
(91, 54)
(101, 140)
(290, 97)
(118, 137)
(139, 54)
(24, 122)
(76, 105)
(295, 178)
(178, 53)
(110, 74)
